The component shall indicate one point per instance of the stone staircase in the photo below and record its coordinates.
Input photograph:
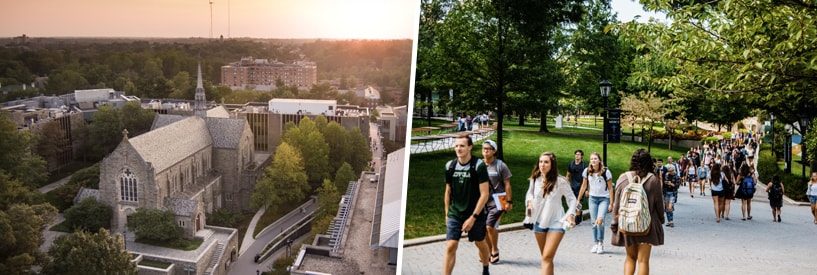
(204, 234)
(215, 259)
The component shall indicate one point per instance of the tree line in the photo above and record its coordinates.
(167, 69)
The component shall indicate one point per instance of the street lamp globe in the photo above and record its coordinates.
(605, 87)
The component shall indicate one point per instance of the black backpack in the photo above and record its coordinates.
(449, 173)
(776, 193)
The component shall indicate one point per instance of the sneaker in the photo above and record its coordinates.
(601, 249)
(595, 248)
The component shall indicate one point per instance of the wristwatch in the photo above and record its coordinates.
(475, 215)
(510, 201)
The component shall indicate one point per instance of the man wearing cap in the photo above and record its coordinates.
(466, 193)
(500, 182)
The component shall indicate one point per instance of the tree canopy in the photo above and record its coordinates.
(284, 181)
(154, 224)
(84, 252)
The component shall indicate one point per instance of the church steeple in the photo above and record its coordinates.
(201, 101)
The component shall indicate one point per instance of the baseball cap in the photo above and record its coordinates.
(490, 142)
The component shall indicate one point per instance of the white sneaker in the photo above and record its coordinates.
(594, 249)
(600, 250)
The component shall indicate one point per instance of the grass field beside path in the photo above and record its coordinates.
(425, 213)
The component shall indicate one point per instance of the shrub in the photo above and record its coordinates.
(153, 224)
(90, 215)
(727, 135)
(767, 167)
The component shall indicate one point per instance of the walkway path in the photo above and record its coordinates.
(696, 245)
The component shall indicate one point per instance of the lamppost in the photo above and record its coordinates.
(605, 86)
(125, 240)
(189, 268)
(771, 116)
(804, 120)
(289, 248)
(787, 148)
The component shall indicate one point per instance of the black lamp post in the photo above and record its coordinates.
(604, 87)
(804, 120)
(771, 116)
(787, 148)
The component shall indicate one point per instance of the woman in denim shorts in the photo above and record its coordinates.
(812, 194)
(544, 208)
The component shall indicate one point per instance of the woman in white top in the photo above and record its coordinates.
(812, 194)
(599, 181)
(544, 207)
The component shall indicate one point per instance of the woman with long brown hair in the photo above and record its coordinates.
(544, 207)
(638, 248)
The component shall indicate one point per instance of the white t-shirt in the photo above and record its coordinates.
(597, 185)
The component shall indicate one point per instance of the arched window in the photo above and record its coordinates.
(127, 186)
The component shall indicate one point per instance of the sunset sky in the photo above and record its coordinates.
(358, 19)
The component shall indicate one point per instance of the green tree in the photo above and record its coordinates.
(89, 214)
(339, 148)
(485, 49)
(52, 143)
(14, 192)
(136, 119)
(343, 176)
(105, 132)
(761, 52)
(84, 252)
(328, 197)
(154, 224)
(313, 148)
(360, 154)
(15, 157)
(183, 86)
(66, 81)
(285, 181)
(21, 228)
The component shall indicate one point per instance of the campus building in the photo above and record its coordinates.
(191, 165)
(251, 72)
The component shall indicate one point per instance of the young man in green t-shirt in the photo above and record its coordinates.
(466, 192)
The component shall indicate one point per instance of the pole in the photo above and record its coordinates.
(605, 132)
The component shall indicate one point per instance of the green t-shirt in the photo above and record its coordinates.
(465, 193)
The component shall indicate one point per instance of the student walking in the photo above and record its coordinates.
(776, 191)
(638, 248)
(544, 207)
(670, 185)
(692, 178)
(746, 190)
(574, 175)
(811, 192)
(466, 193)
(500, 185)
(717, 190)
(599, 181)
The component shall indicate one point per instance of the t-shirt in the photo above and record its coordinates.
(597, 185)
(498, 174)
(465, 194)
(576, 176)
(671, 177)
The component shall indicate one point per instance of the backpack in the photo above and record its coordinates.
(634, 209)
(776, 193)
(748, 185)
(449, 173)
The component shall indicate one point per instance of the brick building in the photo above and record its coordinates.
(251, 72)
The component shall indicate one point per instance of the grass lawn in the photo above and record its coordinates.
(180, 244)
(270, 217)
(425, 213)
(156, 264)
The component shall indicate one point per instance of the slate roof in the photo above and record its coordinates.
(164, 120)
(167, 145)
(181, 207)
(218, 111)
(225, 132)
(85, 193)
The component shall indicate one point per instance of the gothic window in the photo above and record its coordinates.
(128, 186)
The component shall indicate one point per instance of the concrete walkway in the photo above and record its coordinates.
(248, 236)
(696, 245)
(55, 185)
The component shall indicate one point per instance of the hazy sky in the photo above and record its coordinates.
(362, 19)
(628, 9)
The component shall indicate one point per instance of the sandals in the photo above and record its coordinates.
(494, 258)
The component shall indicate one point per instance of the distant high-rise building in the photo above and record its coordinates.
(249, 71)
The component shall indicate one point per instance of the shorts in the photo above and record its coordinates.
(776, 203)
(812, 199)
(717, 193)
(493, 215)
(538, 229)
(454, 232)
(692, 178)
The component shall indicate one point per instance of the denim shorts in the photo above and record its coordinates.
(812, 199)
(454, 230)
(538, 229)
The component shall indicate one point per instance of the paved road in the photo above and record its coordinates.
(696, 245)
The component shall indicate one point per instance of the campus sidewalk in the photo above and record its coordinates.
(696, 245)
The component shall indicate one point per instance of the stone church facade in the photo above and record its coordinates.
(191, 165)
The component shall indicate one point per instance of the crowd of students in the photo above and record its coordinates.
(726, 168)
